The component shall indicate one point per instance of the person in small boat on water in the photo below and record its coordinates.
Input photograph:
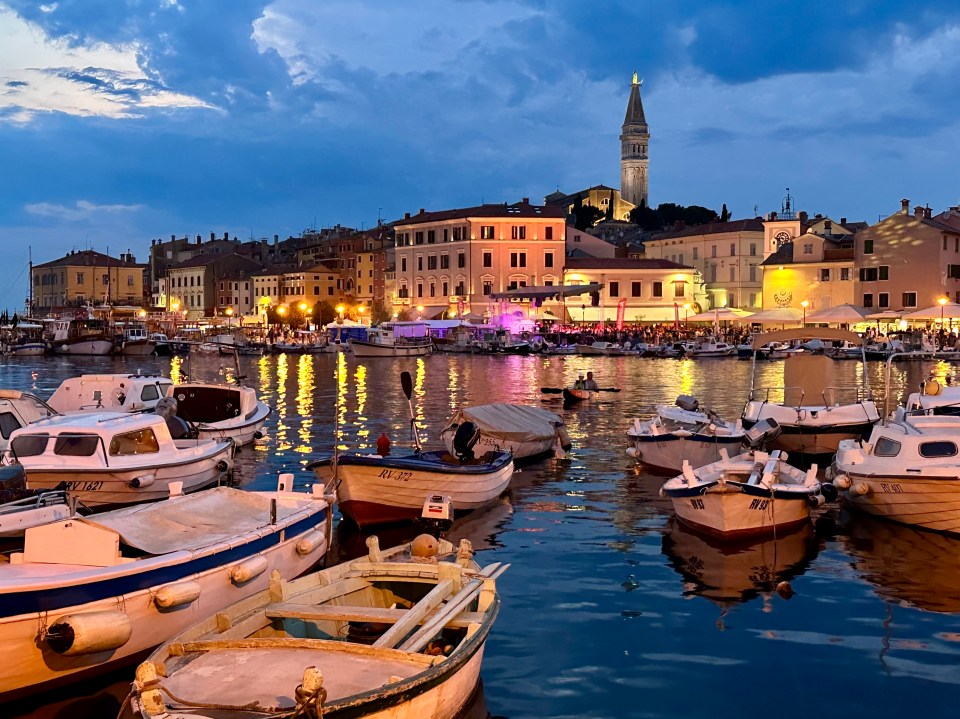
(579, 383)
(590, 382)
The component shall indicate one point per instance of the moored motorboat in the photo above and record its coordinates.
(18, 409)
(221, 411)
(115, 458)
(394, 339)
(121, 392)
(812, 415)
(87, 594)
(705, 349)
(393, 634)
(528, 433)
(751, 493)
(682, 433)
(82, 336)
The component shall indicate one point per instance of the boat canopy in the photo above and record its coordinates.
(190, 522)
(514, 422)
(805, 334)
(547, 292)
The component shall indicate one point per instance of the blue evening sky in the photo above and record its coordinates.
(126, 120)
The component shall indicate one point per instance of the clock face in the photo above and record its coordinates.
(781, 237)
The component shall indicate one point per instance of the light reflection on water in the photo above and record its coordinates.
(607, 594)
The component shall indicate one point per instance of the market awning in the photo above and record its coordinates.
(547, 292)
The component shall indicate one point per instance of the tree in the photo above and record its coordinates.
(724, 214)
(378, 313)
(697, 215)
(324, 313)
(585, 216)
(646, 218)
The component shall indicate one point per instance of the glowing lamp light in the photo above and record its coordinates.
(228, 312)
(281, 311)
(303, 306)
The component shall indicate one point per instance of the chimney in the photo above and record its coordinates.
(173, 238)
(226, 236)
(773, 216)
(803, 216)
(828, 227)
(525, 201)
(905, 206)
(406, 215)
(843, 220)
(153, 243)
(928, 212)
(918, 212)
(422, 210)
(212, 236)
(276, 238)
(198, 239)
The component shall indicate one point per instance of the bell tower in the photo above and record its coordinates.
(634, 140)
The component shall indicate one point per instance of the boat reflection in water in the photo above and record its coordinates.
(729, 573)
(906, 564)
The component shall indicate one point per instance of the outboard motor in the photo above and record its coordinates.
(761, 433)
(464, 440)
(690, 404)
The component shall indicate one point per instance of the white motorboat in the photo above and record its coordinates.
(23, 340)
(597, 348)
(812, 414)
(932, 398)
(712, 348)
(751, 493)
(221, 411)
(88, 593)
(82, 336)
(109, 393)
(528, 433)
(907, 471)
(135, 340)
(18, 409)
(682, 433)
(394, 339)
(398, 634)
(115, 458)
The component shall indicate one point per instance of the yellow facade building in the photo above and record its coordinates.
(88, 276)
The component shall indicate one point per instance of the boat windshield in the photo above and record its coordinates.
(141, 441)
(76, 445)
(29, 445)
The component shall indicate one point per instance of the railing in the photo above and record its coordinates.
(857, 394)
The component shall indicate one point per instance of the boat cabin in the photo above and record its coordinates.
(107, 439)
(392, 333)
(109, 393)
(18, 409)
(208, 403)
(927, 444)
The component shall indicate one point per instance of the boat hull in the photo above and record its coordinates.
(667, 452)
(86, 347)
(138, 348)
(729, 512)
(31, 665)
(375, 490)
(931, 503)
(241, 431)
(106, 486)
(527, 451)
(574, 396)
(28, 350)
(814, 432)
(371, 349)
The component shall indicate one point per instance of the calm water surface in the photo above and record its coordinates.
(610, 608)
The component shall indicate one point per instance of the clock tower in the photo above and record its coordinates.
(634, 139)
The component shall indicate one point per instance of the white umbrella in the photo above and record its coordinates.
(949, 310)
(778, 315)
(885, 315)
(720, 314)
(843, 314)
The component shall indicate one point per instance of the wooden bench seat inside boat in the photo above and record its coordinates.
(378, 615)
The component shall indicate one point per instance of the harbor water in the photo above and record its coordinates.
(610, 607)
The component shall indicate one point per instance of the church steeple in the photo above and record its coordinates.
(634, 140)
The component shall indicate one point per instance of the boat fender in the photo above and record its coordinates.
(222, 465)
(173, 595)
(860, 489)
(310, 542)
(143, 481)
(258, 434)
(248, 569)
(829, 492)
(633, 452)
(816, 500)
(842, 482)
(89, 632)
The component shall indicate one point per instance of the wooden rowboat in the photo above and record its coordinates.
(393, 634)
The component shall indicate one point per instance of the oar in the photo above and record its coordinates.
(406, 381)
(551, 390)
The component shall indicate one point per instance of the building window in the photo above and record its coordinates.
(680, 288)
(419, 289)
(696, 253)
(403, 264)
(432, 262)
(487, 287)
(753, 249)
(487, 261)
(518, 259)
(808, 248)
(433, 290)
(868, 247)
(486, 232)
(614, 289)
(459, 289)
(825, 274)
(909, 299)
(868, 274)
(713, 273)
(883, 272)
(79, 278)
(444, 262)
(548, 259)
(658, 289)
(419, 263)
(446, 235)
(733, 249)
(635, 289)
(844, 273)
(883, 299)
(518, 232)
(446, 289)
(431, 237)
(461, 260)
(713, 250)
(548, 233)
(753, 273)
(868, 299)
(733, 273)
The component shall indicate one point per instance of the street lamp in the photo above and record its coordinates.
(686, 311)
(360, 310)
(804, 304)
(419, 312)
(942, 301)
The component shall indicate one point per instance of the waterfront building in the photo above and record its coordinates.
(908, 260)
(812, 268)
(726, 256)
(583, 244)
(650, 290)
(607, 200)
(86, 276)
(455, 259)
(193, 284)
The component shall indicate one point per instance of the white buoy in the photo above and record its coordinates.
(248, 569)
(173, 595)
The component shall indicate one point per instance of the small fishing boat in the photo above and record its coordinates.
(88, 593)
(115, 458)
(18, 409)
(161, 344)
(528, 433)
(907, 472)
(814, 414)
(751, 493)
(120, 392)
(394, 339)
(712, 348)
(135, 340)
(682, 433)
(82, 336)
(221, 411)
(575, 396)
(598, 348)
(396, 633)
(24, 340)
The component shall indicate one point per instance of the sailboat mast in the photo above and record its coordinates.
(30, 266)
